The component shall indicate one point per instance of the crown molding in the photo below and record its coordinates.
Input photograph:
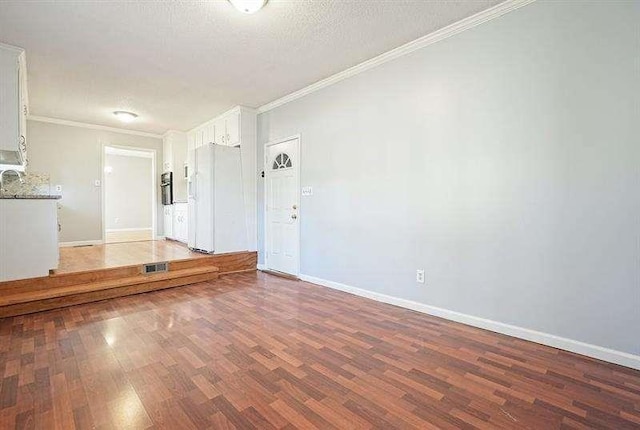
(431, 38)
(11, 47)
(91, 126)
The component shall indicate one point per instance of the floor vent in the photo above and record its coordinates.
(155, 268)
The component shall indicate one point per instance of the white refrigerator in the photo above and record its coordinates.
(217, 222)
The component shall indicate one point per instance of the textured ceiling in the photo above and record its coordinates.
(178, 64)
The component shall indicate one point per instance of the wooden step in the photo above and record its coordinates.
(227, 263)
(90, 276)
(25, 302)
(28, 296)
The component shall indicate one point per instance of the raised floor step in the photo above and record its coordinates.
(28, 296)
(66, 289)
(22, 303)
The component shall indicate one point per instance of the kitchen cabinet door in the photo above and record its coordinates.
(168, 221)
(211, 133)
(9, 99)
(232, 122)
(180, 229)
(199, 137)
(167, 154)
(220, 132)
(191, 141)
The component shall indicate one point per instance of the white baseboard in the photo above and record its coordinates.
(79, 243)
(594, 351)
(263, 267)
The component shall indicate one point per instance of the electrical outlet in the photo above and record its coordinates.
(58, 188)
(420, 276)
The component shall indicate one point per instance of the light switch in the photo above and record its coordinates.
(307, 191)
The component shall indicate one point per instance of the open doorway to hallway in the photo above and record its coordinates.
(129, 212)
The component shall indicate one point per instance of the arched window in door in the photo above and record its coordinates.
(282, 161)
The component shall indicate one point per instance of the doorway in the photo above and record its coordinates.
(282, 206)
(129, 209)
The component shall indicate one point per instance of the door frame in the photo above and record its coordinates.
(155, 205)
(296, 168)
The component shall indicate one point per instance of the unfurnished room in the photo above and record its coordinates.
(320, 214)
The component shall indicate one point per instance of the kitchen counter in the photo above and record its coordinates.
(30, 196)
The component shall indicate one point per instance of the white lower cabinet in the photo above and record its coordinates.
(180, 222)
(167, 216)
(29, 238)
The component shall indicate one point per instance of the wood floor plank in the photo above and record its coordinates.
(251, 350)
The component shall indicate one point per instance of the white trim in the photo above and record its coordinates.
(594, 351)
(91, 126)
(266, 169)
(113, 230)
(80, 243)
(261, 266)
(436, 36)
(128, 151)
(12, 48)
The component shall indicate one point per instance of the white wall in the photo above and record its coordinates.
(504, 161)
(128, 189)
(73, 158)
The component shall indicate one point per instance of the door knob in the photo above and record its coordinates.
(294, 216)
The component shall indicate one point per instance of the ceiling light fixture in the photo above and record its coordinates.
(248, 6)
(125, 116)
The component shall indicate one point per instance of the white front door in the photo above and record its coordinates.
(282, 175)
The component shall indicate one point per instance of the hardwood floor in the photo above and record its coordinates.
(128, 236)
(256, 351)
(82, 258)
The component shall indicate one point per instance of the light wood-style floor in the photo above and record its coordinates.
(254, 351)
(84, 258)
(128, 235)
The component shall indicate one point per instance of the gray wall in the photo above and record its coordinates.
(504, 161)
(73, 158)
(128, 190)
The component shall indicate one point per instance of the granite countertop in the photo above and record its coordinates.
(30, 196)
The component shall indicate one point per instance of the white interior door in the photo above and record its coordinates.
(282, 174)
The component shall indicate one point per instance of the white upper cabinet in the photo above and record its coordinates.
(232, 124)
(167, 154)
(210, 133)
(227, 129)
(223, 130)
(200, 137)
(218, 124)
(13, 107)
(175, 146)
